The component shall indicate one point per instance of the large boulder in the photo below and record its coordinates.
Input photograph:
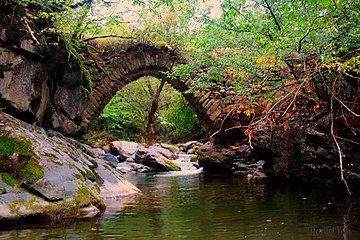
(23, 85)
(123, 149)
(163, 151)
(136, 158)
(214, 159)
(153, 159)
(59, 177)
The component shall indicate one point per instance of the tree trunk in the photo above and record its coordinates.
(150, 130)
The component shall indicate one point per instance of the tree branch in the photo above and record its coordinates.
(31, 32)
(273, 15)
(334, 137)
(309, 30)
(106, 36)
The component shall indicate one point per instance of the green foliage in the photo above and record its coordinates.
(8, 179)
(178, 119)
(123, 115)
(18, 161)
(126, 114)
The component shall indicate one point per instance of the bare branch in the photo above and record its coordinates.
(335, 140)
(222, 123)
(341, 102)
(296, 94)
(106, 36)
(273, 15)
(31, 32)
(348, 140)
(309, 30)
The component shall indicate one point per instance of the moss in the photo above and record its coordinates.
(3, 191)
(14, 207)
(8, 179)
(194, 158)
(172, 149)
(63, 208)
(18, 160)
(33, 171)
(173, 167)
(49, 135)
(83, 196)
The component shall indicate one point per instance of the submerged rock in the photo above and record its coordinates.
(127, 167)
(69, 179)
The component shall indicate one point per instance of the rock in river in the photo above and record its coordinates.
(151, 158)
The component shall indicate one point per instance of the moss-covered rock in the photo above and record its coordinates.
(51, 176)
(18, 161)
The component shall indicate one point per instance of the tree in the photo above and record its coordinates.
(128, 113)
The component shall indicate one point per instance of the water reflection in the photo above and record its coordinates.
(200, 207)
(212, 207)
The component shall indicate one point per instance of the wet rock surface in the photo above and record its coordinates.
(236, 160)
(153, 159)
(73, 180)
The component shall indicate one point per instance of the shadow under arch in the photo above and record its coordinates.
(135, 62)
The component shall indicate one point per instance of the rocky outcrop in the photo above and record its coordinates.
(47, 174)
(44, 89)
(306, 152)
(236, 160)
(136, 158)
(23, 85)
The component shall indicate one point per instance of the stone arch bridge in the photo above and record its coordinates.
(48, 90)
(119, 68)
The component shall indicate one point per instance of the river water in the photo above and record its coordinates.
(206, 207)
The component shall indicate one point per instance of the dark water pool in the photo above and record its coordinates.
(211, 207)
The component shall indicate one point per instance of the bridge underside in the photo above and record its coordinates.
(120, 68)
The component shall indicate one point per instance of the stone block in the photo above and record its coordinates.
(213, 107)
(215, 114)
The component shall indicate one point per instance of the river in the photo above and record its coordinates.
(206, 207)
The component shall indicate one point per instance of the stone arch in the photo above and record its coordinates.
(144, 60)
